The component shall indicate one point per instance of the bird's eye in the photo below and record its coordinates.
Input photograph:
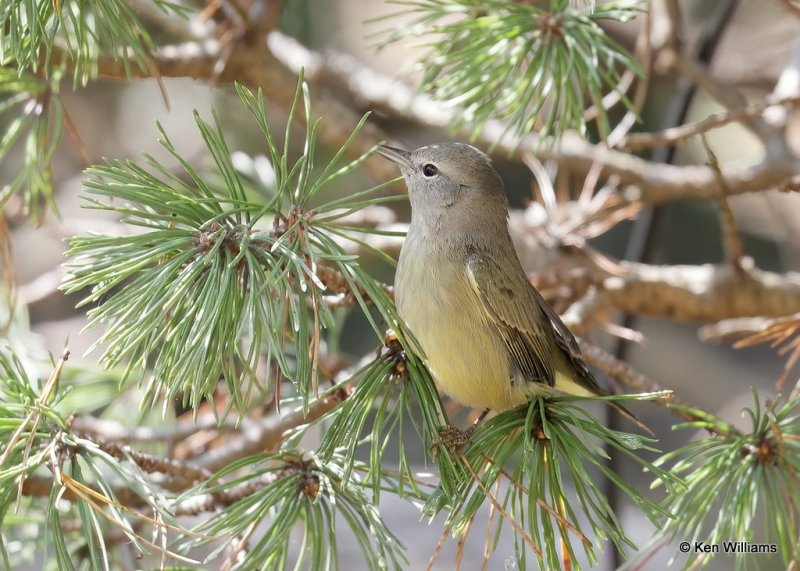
(430, 170)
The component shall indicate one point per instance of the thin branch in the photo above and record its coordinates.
(793, 7)
(725, 95)
(736, 327)
(788, 86)
(42, 486)
(267, 435)
(667, 32)
(708, 292)
(699, 293)
(637, 141)
(274, 9)
(644, 54)
(255, 67)
(780, 333)
(730, 235)
(656, 182)
(173, 25)
(336, 282)
(619, 370)
(155, 464)
(200, 503)
(366, 89)
(623, 372)
(112, 431)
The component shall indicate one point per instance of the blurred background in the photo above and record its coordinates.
(117, 119)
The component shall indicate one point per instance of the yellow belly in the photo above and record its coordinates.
(465, 355)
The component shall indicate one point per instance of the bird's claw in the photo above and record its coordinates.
(451, 438)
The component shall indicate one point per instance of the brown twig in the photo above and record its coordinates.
(675, 135)
(275, 72)
(782, 333)
(700, 293)
(619, 370)
(522, 533)
(112, 431)
(735, 327)
(201, 503)
(730, 235)
(42, 487)
(667, 30)
(644, 53)
(438, 549)
(155, 464)
(626, 374)
(726, 95)
(266, 436)
(792, 6)
(337, 282)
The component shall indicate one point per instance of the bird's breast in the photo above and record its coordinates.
(463, 350)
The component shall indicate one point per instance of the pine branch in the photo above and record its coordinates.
(36, 118)
(552, 441)
(218, 279)
(735, 476)
(35, 30)
(517, 61)
(81, 470)
(691, 293)
(676, 135)
(296, 489)
(368, 89)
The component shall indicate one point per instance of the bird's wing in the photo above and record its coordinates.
(569, 347)
(516, 315)
(528, 325)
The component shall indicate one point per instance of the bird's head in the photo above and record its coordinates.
(451, 182)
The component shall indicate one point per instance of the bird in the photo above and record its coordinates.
(490, 340)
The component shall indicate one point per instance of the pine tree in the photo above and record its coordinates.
(228, 284)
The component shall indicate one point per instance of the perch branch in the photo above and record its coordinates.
(155, 464)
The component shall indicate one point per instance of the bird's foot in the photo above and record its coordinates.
(451, 438)
(454, 438)
(396, 353)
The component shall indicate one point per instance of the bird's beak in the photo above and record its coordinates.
(397, 156)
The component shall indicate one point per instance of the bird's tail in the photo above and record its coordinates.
(588, 386)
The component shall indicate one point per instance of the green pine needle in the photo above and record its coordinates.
(33, 30)
(28, 417)
(523, 461)
(36, 117)
(217, 285)
(537, 66)
(287, 491)
(734, 477)
(391, 391)
(91, 479)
